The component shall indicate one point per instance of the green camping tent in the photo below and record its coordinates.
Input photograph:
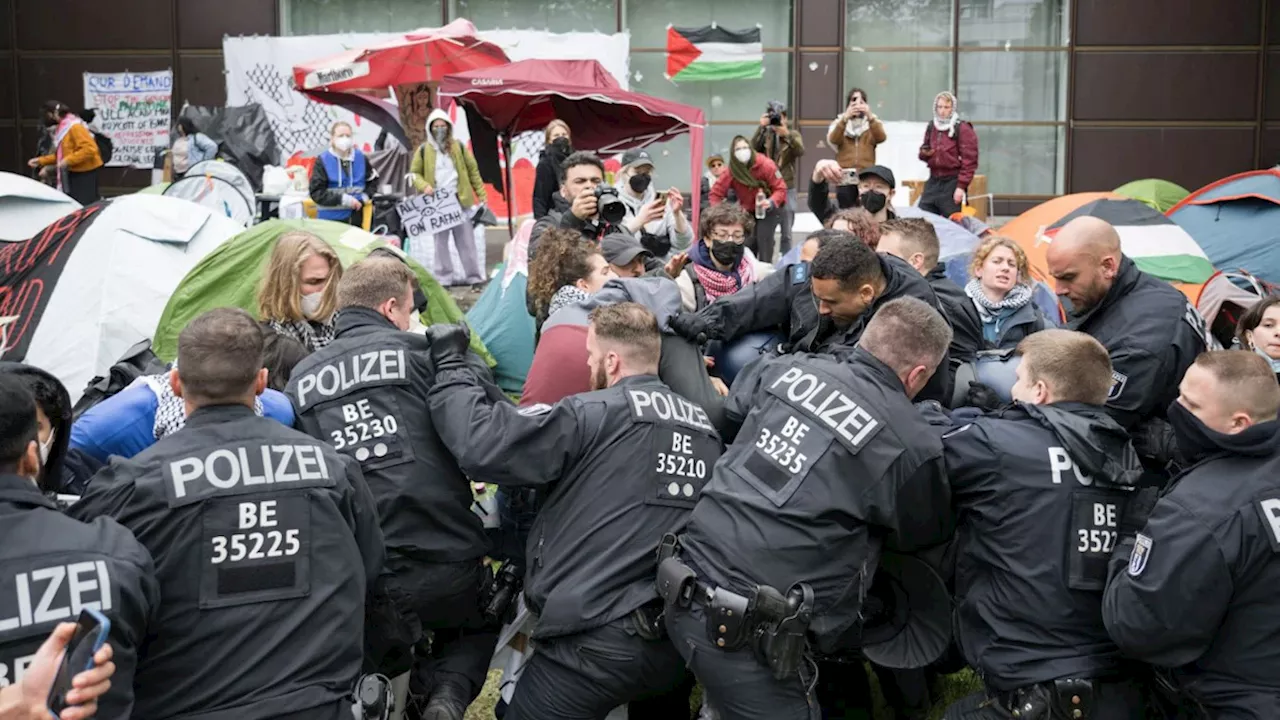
(1159, 194)
(229, 277)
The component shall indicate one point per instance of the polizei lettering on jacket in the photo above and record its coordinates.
(53, 593)
(656, 406)
(336, 379)
(239, 470)
(826, 402)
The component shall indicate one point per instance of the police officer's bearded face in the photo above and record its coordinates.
(841, 304)
(1081, 276)
(1204, 396)
(603, 363)
(579, 179)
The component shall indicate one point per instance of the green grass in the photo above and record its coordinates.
(949, 689)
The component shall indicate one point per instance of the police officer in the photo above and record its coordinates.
(629, 460)
(1150, 330)
(1040, 489)
(264, 540)
(51, 566)
(821, 307)
(832, 461)
(365, 393)
(1198, 590)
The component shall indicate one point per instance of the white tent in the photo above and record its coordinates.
(219, 186)
(28, 206)
(116, 281)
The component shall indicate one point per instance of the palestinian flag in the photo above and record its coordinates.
(714, 53)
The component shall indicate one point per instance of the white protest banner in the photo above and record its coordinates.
(134, 111)
(429, 214)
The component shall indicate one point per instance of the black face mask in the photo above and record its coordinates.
(1195, 440)
(50, 121)
(727, 253)
(872, 201)
(639, 183)
(561, 145)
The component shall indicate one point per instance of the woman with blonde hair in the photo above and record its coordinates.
(546, 183)
(299, 291)
(1000, 289)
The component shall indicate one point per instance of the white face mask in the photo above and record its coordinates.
(311, 303)
(743, 155)
(342, 144)
(45, 448)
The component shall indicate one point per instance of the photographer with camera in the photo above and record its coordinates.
(755, 179)
(784, 146)
(585, 204)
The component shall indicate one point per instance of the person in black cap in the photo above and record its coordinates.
(656, 218)
(875, 191)
(626, 255)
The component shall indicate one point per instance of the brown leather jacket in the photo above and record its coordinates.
(859, 152)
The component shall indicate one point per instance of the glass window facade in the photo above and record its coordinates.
(323, 17)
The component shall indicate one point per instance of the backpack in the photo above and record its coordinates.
(136, 362)
(105, 146)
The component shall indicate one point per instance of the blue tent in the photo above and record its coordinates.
(1236, 221)
(503, 322)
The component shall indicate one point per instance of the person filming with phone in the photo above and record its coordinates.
(655, 217)
(854, 136)
(51, 566)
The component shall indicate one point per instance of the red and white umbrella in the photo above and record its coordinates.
(420, 56)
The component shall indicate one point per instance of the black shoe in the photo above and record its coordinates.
(448, 702)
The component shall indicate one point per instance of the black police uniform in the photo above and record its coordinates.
(1198, 590)
(1152, 334)
(784, 299)
(832, 462)
(51, 566)
(1039, 491)
(265, 541)
(628, 463)
(365, 394)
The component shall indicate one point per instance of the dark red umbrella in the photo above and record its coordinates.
(419, 57)
(528, 94)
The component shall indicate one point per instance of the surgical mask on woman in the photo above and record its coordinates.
(311, 304)
(743, 155)
(342, 143)
(46, 447)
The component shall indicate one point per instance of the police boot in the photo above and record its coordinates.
(448, 702)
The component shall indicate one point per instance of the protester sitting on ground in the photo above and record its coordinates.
(657, 219)
(76, 158)
(280, 354)
(1000, 289)
(576, 206)
(567, 269)
(721, 264)
(546, 183)
(133, 419)
(1259, 331)
(192, 147)
(341, 178)
(298, 293)
(625, 255)
(755, 179)
(854, 136)
(858, 221)
(875, 192)
(64, 469)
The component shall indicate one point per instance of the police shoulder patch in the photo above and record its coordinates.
(1141, 553)
(1118, 380)
(799, 273)
(538, 409)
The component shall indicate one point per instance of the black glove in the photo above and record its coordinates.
(1156, 444)
(983, 397)
(694, 327)
(1136, 511)
(449, 344)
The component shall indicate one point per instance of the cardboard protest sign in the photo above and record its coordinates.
(429, 214)
(134, 110)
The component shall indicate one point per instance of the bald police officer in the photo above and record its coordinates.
(832, 462)
(821, 307)
(1150, 330)
(1195, 589)
(365, 394)
(1040, 488)
(52, 566)
(628, 461)
(265, 541)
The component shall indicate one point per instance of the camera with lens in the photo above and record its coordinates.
(774, 111)
(609, 205)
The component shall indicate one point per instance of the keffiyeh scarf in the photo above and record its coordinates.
(171, 411)
(312, 335)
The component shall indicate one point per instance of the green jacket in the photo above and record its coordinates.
(470, 186)
(783, 151)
